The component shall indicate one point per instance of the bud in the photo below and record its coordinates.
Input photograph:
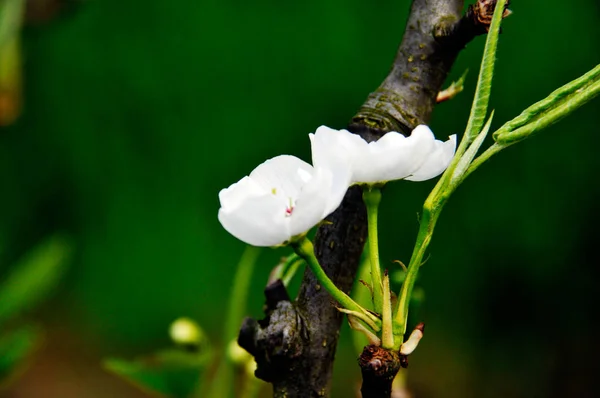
(413, 340)
(237, 354)
(186, 332)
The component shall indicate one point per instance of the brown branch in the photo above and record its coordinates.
(295, 344)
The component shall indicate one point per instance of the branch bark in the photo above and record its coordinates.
(295, 344)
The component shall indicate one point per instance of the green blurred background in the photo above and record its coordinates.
(137, 113)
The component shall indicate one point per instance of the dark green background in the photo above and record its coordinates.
(138, 113)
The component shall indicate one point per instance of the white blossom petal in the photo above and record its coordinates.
(281, 173)
(392, 157)
(256, 220)
(437, 161)
(281, 198)
(330, 147)
(311, 203)
(233, 196)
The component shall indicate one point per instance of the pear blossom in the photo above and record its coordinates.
(281, 198)
(393, 157)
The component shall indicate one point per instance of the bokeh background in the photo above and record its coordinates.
(136, 113)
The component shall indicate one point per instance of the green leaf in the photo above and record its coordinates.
(464, 162)
(170, 373)
(11, 14)
(551, 109)
(486, 72)
(15, 347)
(33, 277)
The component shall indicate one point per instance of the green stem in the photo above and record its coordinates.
(291, 271)
(239, 291)
(372, 198)
(485, 156)
(362, 295)
(304, 248)
(387, 329)
(431, 211)
(446, 185)
(221, 386)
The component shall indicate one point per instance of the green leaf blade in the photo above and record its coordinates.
(34, 277)
(486, 73)
(551, 109)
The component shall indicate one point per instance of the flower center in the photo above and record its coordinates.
(290, 208)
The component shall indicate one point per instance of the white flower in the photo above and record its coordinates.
(281, 198)
(393, 157)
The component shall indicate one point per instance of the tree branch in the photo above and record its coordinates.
(295, 344)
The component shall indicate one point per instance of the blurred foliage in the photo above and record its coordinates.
(31, 280)
(33, 277)
(15, 347)
(136, 115)
(11, 12)
(172, 373)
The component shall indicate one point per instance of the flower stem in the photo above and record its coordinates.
(372, 197)
(304, 248)
(431, 211)
(363, 296)
(387, 334)
(223, 381)
(239, 291)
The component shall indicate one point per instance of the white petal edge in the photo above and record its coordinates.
(257, 221)
(311, 203)
(281, 174)
(393, 156)
(437, 161)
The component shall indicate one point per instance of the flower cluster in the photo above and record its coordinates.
(285, 197)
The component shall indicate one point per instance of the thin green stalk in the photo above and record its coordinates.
(239, 291)
(431, 210)
(387, 330)
(304, 248)
(465, 161)
(222, 384)
(287, 269)
(446, 185)
(485, 156)
(291, 271)
(362, 295)
(372, 198)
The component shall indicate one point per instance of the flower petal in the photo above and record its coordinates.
(258, 221)
(254, 209)
(320, 197)
(331, 148)
(280, 175)
(232, 197)
(437, 161)
(394, 156)
(311, 203)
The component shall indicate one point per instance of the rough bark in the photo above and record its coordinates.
(295, 344)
